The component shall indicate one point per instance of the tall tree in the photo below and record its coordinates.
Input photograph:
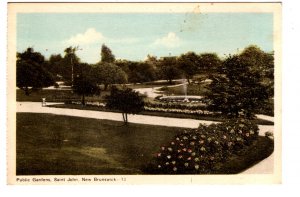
(31, 74)
(262, 62)
(84, 83)
(127, 101)
(107, 55)
(209, 62)
(169, 69)
(237, 90)
(55, 65)
(109, 73)
(188, 63)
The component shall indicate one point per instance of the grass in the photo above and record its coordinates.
(70, 145)
(52, 144)
(247, 157)
(55, 96)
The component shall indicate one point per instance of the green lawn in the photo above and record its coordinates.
(55, 96)
(52, 144)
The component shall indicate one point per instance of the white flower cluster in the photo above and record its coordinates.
(185, 111)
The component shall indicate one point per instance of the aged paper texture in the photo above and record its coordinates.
(42, 150)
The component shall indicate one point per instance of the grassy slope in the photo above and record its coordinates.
(51, 144)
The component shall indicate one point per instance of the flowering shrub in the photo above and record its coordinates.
(202, 150)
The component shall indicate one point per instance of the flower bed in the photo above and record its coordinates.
(184, 108)
(202, 150)
(183, 111)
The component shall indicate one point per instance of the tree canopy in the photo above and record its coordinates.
(85, 84)
(127, 101)
(238, 89)
(30, 71)
(188, 63)
(107, 55)
(209, 62)
(109, 73)
(168, 68)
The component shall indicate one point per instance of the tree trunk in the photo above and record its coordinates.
(126, 118)
(105, 86)
(27, 91)
(188, 80)
(83, 99)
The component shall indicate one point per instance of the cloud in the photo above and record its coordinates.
(91, 36)
(170, 41)
(88, 37)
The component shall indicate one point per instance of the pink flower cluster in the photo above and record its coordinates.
(200, 150)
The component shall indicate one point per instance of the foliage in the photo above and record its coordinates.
(109, 73)
(264, 63)
(137, 72)
(30, 71)
(127, 101)
(237, 89)
(85, 84)
(209, 61)
(188, 63)
(168, 68)
(106, 54)
(70, 64)
(201, 151)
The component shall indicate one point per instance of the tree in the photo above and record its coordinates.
(168, 68)
(85, 84)
(107, 55)
(188, 63)
(262, 62)
(31, 74)
(56, 65)
(109, 73)
(137, 72)
(127, 101)
(209, 62)
(237, 90)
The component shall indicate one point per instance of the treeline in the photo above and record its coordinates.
(34, 71)
(109, 70)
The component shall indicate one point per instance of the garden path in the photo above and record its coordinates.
(36, 107)
(154, 92)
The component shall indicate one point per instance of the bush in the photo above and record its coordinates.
(200, 151)
(56, 85)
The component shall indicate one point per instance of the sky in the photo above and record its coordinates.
(133, 36)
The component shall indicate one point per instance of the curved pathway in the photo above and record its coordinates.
(36, 107)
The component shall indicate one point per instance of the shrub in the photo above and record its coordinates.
(56, 85)
(202, 150)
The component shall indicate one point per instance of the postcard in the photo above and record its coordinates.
(144, 93)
